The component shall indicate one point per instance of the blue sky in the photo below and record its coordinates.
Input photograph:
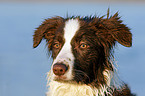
(23, 69)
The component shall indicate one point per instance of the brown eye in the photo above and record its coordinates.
(83, 46)
(56, 45)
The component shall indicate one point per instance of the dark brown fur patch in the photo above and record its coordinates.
(124, 91)
(47, 30)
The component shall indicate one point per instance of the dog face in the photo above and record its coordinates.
(81, 47)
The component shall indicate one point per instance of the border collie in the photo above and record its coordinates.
(82, 50)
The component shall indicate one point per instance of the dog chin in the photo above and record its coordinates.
(64, 79)
(60, 78)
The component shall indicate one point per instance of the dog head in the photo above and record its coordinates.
(81, 47)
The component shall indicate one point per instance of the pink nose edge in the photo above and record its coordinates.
(59, 69)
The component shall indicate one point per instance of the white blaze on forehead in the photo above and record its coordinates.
(70, 29)
(65, 55)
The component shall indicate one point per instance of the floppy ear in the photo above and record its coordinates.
(118, 31)
(46, 30)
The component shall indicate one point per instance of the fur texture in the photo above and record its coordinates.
(71, 88)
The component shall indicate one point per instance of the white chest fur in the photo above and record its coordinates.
(72, 89)
(68, 89)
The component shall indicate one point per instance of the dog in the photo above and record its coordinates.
(82, 52)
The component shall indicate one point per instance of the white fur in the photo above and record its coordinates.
(65, 55)
(74, 89)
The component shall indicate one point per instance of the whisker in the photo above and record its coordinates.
(80, 75)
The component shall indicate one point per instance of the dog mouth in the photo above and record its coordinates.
(60, 78)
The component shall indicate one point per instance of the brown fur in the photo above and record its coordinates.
(47, 30)
(124, 91)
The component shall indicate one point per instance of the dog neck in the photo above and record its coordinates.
(74, 89)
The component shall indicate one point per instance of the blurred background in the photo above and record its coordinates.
(23, 69)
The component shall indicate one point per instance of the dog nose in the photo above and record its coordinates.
(59, 69)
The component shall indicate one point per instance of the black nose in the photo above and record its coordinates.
(59, 69)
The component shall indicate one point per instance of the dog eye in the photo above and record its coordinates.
(56, 45)
(83, 46)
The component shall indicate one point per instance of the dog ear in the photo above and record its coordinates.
(117, 30)
(46, 30)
